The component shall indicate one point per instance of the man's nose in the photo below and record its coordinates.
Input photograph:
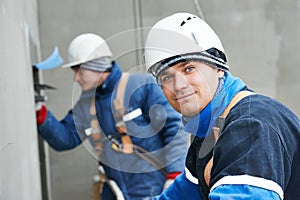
(76, 76)
(180, 81)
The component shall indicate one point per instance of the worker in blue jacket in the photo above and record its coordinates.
(138, 139)
(246, 145)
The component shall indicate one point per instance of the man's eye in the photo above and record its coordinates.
(165, 78)
(189, 68)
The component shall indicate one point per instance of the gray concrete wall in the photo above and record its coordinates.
(19, 39)
(261, 39)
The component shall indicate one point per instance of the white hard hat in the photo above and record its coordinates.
(87, 47)
(182, 34)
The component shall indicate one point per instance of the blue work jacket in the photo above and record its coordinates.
(157, 130)
(257, 156)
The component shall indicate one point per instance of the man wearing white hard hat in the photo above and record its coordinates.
(246, 145)
(126, 120)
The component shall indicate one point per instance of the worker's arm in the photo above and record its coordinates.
(182, 188)
(60, 135)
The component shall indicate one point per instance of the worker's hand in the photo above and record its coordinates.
(41, 112)
(170, 178)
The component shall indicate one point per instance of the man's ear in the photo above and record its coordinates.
(220, 73)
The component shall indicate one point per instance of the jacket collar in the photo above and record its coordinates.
(110, 83)
(201, 124)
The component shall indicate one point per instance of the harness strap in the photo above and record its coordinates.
(95, 131)
(239, 96)
(219, 126)
(127, 146)
(118, 103)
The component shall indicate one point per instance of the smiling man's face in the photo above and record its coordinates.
(190, 86)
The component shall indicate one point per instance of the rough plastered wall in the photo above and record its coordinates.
(19, 38)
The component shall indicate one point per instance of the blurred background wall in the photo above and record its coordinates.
(261, 40)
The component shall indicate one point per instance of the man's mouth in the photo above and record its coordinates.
(182, 97)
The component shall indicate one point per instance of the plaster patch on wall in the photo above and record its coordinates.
(27, 37)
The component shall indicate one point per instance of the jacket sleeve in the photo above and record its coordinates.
(255, 161)
(245, 192)
(60, 135)
(180, 189)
